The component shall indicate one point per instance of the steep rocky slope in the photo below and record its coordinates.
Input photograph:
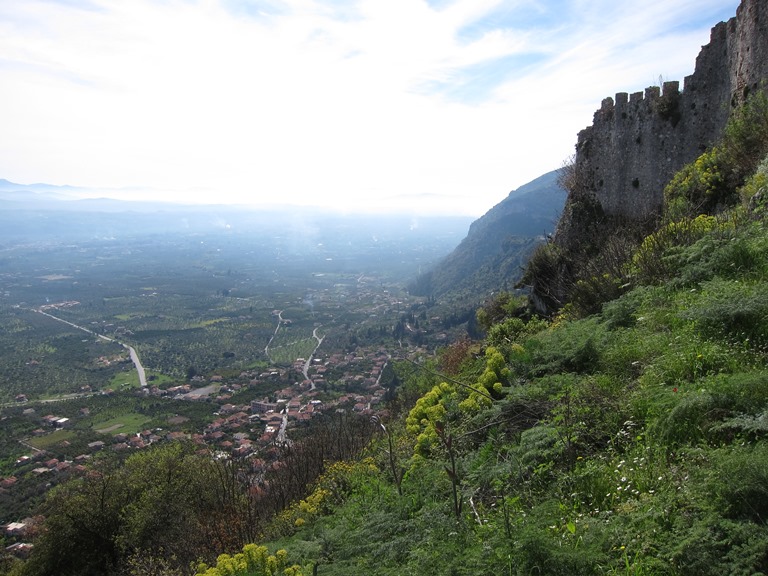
(499, 243)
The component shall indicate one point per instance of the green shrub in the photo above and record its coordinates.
(747, 391)
(731, 256)
(551, 538)
(252, 561)
(503, 305)
(624, 311)
(730, 309)
(713, 546)
(429, 410)
(745, 138)
(700, 187)
(570, 347)
(512, 330)
(543, 272)
(656, 260)
(539, 450)
(686, 359)
(756, 185)
(629, 352)
(740, 483)
(592, 484)
(331, 488)
(708, 412)
(589, 294)
(746, 425)
(690, 419)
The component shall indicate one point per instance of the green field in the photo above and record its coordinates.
(49, 440)
(126, 424)
(124, 380)
(287, 353)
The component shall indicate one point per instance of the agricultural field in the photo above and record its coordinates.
(207, 313)
(188, 305)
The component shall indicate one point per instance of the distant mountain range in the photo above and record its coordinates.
(489, 258)
(8, 186)
(498, 244)
(61, 214)
(15, 196)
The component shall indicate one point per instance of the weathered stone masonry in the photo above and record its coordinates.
(637, 142)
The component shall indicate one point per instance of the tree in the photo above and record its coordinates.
(166, 502)
(83, 521)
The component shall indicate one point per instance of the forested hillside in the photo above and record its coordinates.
(624, 435)
(627, 441)
(497, 246)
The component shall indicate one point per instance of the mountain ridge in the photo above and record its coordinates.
(498, 243)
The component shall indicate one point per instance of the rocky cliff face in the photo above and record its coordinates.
(639, 141)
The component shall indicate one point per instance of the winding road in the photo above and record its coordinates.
(282, 437)
(305, 370)
(308, 362)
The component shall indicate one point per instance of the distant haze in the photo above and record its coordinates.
(431, 106)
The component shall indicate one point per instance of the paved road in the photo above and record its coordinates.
(279, 322)
(305, 369)
(137, 363)
(134, 356)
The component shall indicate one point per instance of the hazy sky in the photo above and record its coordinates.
(442, 103)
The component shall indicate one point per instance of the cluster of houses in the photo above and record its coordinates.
(339, 382)
(343, 381)
(44, 464)
(16, 533)
(241, 430)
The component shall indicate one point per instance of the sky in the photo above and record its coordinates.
(430, 106)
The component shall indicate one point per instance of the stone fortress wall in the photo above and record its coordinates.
(638, 142)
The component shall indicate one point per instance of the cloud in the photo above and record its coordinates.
(337, 102)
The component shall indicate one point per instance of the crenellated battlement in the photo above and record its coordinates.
(638, 141)
(651, 95)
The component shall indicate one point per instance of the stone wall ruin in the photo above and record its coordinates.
(638, 142)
